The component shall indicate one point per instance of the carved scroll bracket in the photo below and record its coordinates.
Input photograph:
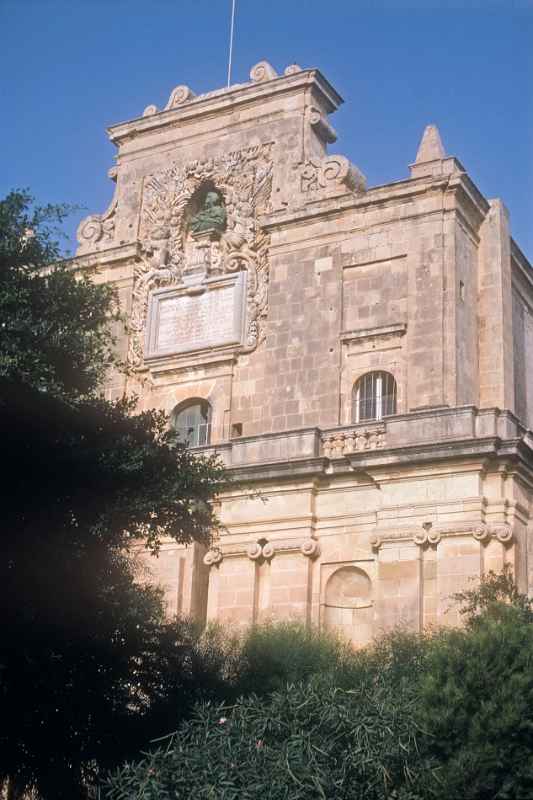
(97, 231)
(431, 535)
(263, 551)
(330, 177)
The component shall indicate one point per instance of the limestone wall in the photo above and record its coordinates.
(358, 527)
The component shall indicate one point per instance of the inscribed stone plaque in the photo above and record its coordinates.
(194, 318)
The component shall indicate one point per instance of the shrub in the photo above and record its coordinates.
(476, 696)
(275, 654)
(308, 741)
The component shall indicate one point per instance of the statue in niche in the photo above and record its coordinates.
(212, 215)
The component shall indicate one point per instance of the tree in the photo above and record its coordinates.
(86, 655)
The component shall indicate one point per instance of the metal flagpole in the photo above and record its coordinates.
(231, 41)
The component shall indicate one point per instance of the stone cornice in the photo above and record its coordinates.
(468, 202)
(213, 103)
(110, 257)
(479, 449)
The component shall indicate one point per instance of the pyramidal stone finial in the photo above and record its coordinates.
(430, 147)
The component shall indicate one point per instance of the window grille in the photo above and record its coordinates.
(192, 422)
(374, 397)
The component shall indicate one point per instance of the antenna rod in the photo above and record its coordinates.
(231, 41)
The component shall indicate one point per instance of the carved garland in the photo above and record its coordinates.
(244, 179)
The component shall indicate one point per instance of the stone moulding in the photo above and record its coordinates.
(330, 176)
(355, 440)
(430, 534)
(309, 547)
(168, 251)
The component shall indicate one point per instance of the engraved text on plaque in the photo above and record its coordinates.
(186, 319)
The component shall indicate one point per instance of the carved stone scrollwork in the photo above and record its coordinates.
(268, 550)
(320, 124)
(342, 443)
(213, 556)
(98, 230)
(427, 536)
(310, 548)
(179, 96)
(254, 551)
(333, 175)
(503, 533)
(375, 541)
(149, 111)
(484, 533)
(481, 533)
(292, 69)
(262, 72)
(173, 255)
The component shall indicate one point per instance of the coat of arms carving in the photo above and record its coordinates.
(199, 223)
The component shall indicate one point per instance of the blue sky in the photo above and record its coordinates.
(69, 69)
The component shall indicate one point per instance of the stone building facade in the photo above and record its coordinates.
(357, 355)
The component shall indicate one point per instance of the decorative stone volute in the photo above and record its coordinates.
(292, 69)
(179, 96)
(263, 71)
(213, 556)
(331, 176)
(310, 548)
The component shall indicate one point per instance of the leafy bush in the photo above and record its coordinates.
(476, 695)
(445, 715)
(275, 654)
(311, 740)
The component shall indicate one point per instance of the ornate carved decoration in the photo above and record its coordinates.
(254, 551)
(310, 548)
(213, 556)
(268, 550)
(320, 124)
(98, 230)
(292, 69)
(149, 111)
(331, 176)
(342, 443)
(179, 96)
(432, 534)
(171, 253)
(262, 72)
(257, 550)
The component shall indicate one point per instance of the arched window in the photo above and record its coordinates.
(374, 396)
(192, 421)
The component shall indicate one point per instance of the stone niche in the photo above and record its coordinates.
(189, 318)
(348, 604)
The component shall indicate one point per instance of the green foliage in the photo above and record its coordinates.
(55, 325)
(492, 597)
(445, 715)
(476, 695)
(311, 740)
(89, 668)
(275, 654)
